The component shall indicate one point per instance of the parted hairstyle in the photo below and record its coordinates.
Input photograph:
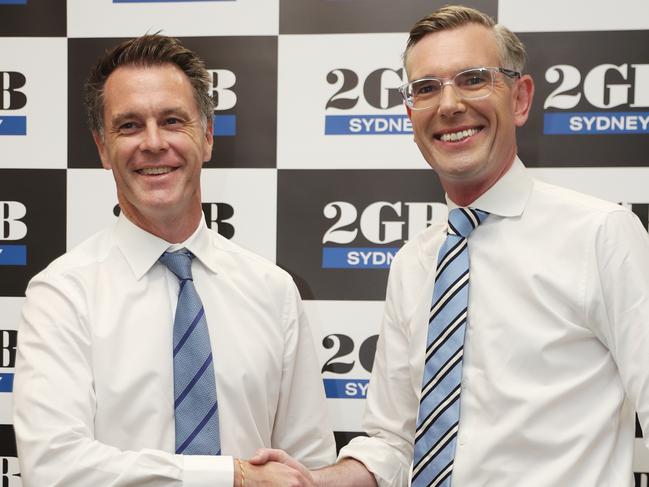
(512, 50)
(145, 51)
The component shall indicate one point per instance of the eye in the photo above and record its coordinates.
(425, 87)
(128, 127)
(472, 79)
(174, 121)
(475, 80)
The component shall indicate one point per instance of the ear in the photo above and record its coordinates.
(523, 94)
(101, 148)
(209, 139)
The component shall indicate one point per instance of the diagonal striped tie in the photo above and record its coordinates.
(439, 407)
(196, 409)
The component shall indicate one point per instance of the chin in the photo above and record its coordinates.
(459, 169)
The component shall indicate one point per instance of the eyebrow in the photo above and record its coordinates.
(456, 72)
(120, 118)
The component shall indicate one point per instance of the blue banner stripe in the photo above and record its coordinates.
(12, 125)
(346, 388)
(13, 2)
(589, 123)
(6, 382)
(225, 125)
(358, 257)
(367, 125)
(13, 255)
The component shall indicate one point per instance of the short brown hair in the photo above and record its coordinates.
(512, 50)
(144, 51)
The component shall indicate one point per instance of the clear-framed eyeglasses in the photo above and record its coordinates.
(470, 84)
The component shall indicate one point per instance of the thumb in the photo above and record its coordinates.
(263, 455)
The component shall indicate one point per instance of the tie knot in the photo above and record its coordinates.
(462, 221)
(179, 262)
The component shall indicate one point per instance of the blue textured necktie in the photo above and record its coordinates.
(196, 409)
(439, 407)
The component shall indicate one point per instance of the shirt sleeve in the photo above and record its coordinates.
(55, 405)
(302, 427)
(621, 309)
(389, 419)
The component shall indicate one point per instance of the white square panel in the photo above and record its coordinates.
(640, 457)
(9, 318)
(120, 18)
(338, 105)
(345, 337)
(90, 204)
(251, 195)
(575, 15)
(33, 103)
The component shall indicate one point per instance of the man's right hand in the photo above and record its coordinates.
(272, 468)
(346, 473)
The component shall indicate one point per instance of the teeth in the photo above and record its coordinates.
(154, 170)
(457, 136)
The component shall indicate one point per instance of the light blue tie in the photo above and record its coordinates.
(439, 407)
(196, 409)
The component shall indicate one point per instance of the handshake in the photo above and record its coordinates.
(271, 467)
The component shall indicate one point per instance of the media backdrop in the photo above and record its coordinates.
(314, 166)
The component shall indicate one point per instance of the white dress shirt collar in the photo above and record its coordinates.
(142, 249)
(508, 196)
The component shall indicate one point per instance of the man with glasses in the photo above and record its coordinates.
(531, 377)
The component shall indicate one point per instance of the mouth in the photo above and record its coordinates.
(458, 135)
(155, 171)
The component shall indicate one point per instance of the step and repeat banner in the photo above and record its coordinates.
(314, 165)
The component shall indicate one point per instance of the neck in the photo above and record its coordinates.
(463, 196)
(171, 228)
(463, 193)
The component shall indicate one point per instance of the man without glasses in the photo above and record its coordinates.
(531, 377)
(157, 353)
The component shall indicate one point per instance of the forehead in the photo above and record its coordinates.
(138, 86)
(446, 52)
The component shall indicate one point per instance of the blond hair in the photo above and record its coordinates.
(512, 50)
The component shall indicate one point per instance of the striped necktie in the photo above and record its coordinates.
(195, 406)
(439, 407)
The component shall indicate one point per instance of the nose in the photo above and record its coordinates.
(153, 138)
(450, 102)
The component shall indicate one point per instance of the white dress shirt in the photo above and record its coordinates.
(556, 355)
(93, 397)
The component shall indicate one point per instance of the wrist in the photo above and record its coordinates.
(239, 473)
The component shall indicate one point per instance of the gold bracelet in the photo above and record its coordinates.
(243, 474)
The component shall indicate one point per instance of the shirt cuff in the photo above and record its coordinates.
(378, 458)
(207, 471)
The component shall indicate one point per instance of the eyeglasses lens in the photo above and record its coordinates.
(471, 84)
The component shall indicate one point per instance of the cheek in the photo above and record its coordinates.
(419, 127)
(422, 122)
(420, 119)
(505, 126)
(124, 148)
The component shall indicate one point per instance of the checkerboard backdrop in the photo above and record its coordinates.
(314, 166)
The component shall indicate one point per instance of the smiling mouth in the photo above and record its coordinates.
(155, 171)
(458, 136)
